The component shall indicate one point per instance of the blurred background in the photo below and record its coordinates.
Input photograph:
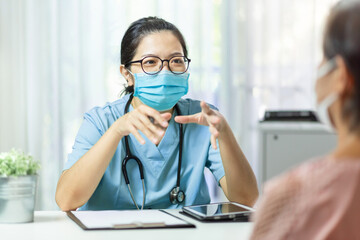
(60, 58)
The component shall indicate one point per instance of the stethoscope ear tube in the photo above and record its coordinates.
(127, 181)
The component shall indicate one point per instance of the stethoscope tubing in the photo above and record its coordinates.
(129, 156)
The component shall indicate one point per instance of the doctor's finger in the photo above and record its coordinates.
(150, 112)
(213, 142)
(214, 120)
(213, 130)
(205, 108)
(136, 134)
(156, 130)
(146, 131)
(166, 116)
(187, 119)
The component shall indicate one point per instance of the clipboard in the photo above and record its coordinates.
(127, 219)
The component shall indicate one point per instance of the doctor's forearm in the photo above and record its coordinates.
(240, 180)
(77, 184)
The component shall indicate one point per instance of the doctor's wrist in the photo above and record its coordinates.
(116, 129)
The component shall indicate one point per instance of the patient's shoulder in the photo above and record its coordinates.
(318, 196)
(323, 176)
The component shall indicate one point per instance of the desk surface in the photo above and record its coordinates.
(57, 225)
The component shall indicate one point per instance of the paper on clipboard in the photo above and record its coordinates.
(126, 219)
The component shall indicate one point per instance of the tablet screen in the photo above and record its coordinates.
(218, 209)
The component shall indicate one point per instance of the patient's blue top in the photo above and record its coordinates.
(160, 162)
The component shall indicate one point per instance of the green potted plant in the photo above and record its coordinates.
(18, 180)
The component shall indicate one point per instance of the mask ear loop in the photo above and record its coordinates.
(127, 80)
(130, 72)
(127, 69)
(328, 67)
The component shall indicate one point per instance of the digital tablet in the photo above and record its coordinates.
(219, 211)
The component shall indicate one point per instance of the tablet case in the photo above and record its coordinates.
(239, 219)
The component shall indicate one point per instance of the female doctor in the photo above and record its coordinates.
(149, 148)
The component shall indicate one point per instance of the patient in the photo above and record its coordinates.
(320, 199)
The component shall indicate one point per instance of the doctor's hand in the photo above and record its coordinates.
(145, 119)
(207, 117)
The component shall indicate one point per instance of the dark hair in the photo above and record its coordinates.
(342, 38)
(137, 31)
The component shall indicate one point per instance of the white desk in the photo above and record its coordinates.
(57, 225)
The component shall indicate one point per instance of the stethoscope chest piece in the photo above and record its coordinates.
(177, 196)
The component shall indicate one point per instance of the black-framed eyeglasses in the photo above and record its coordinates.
(153, 65)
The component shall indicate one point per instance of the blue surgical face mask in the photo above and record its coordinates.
(161, 91)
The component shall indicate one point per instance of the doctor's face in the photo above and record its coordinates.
(163, 44)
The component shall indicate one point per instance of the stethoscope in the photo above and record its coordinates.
(176, 195)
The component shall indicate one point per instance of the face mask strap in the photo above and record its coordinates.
(328, 67)
(130, 73)
(323, 111)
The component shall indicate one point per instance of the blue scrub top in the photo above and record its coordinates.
(160, 162)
